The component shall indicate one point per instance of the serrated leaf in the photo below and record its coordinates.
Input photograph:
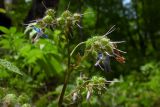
(8, 65)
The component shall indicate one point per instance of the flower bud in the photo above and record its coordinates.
(79, 81)
(50, 12)
(66, 14)
(76, 17)
(47, 19)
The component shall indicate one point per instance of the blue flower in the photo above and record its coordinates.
(40, 33)
(106, 64)
(103, 62)
(99, 59)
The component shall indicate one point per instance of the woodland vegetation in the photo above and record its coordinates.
(79, 53)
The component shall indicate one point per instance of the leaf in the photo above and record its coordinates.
(2, 10)
(57, 65)
(3, 73)
(9, 66)
(13, 30)
(33, 55)
(5, 44)
(89, 17)
(4, 30)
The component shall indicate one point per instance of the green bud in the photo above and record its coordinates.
(101, 80)
(77, 17)
(79, 81)
(69, 21)
(47, 19)
(10, 99)
(106, 44)
(50, 12)
(60, 21)
(66, 14)
(95, 80)
(26, 105)
(23, 98)
(90, 41)
(99, 44)
(41, 23)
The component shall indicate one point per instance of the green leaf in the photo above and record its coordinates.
(9, 66)
(57, 65)
(13, 30)
(3, 73)
(2, 10)
(89, 18)
(5, 44)
(4, 30)
(33, 55)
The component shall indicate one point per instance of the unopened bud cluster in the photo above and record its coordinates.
(87, 88)
(65, 20)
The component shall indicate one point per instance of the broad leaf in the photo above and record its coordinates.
(9, 66)
(4, 30)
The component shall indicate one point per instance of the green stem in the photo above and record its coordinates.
(67, 76)
(76, 48)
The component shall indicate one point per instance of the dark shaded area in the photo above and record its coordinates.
(2, 4)
(4, 19)
(39, 7)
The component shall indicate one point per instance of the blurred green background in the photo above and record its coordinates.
(137, 23)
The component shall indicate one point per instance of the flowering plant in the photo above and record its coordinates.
(100, 47)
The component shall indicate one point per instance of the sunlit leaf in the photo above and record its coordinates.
(2, 10)
(4, 30)
(13, 30)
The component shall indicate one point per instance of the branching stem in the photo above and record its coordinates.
(76, 48)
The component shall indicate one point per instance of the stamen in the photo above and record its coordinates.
(44, 4)
(118, 42)
(110, 31)
(97, 63)
(100, 67)
(119, 50)
(108, 54)
(79, 26)
(116, 54)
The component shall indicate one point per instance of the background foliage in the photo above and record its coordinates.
(43, 65)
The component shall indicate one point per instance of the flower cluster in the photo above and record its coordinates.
(100, 46)
(65, 21)
(89, 87)
(104, 48)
